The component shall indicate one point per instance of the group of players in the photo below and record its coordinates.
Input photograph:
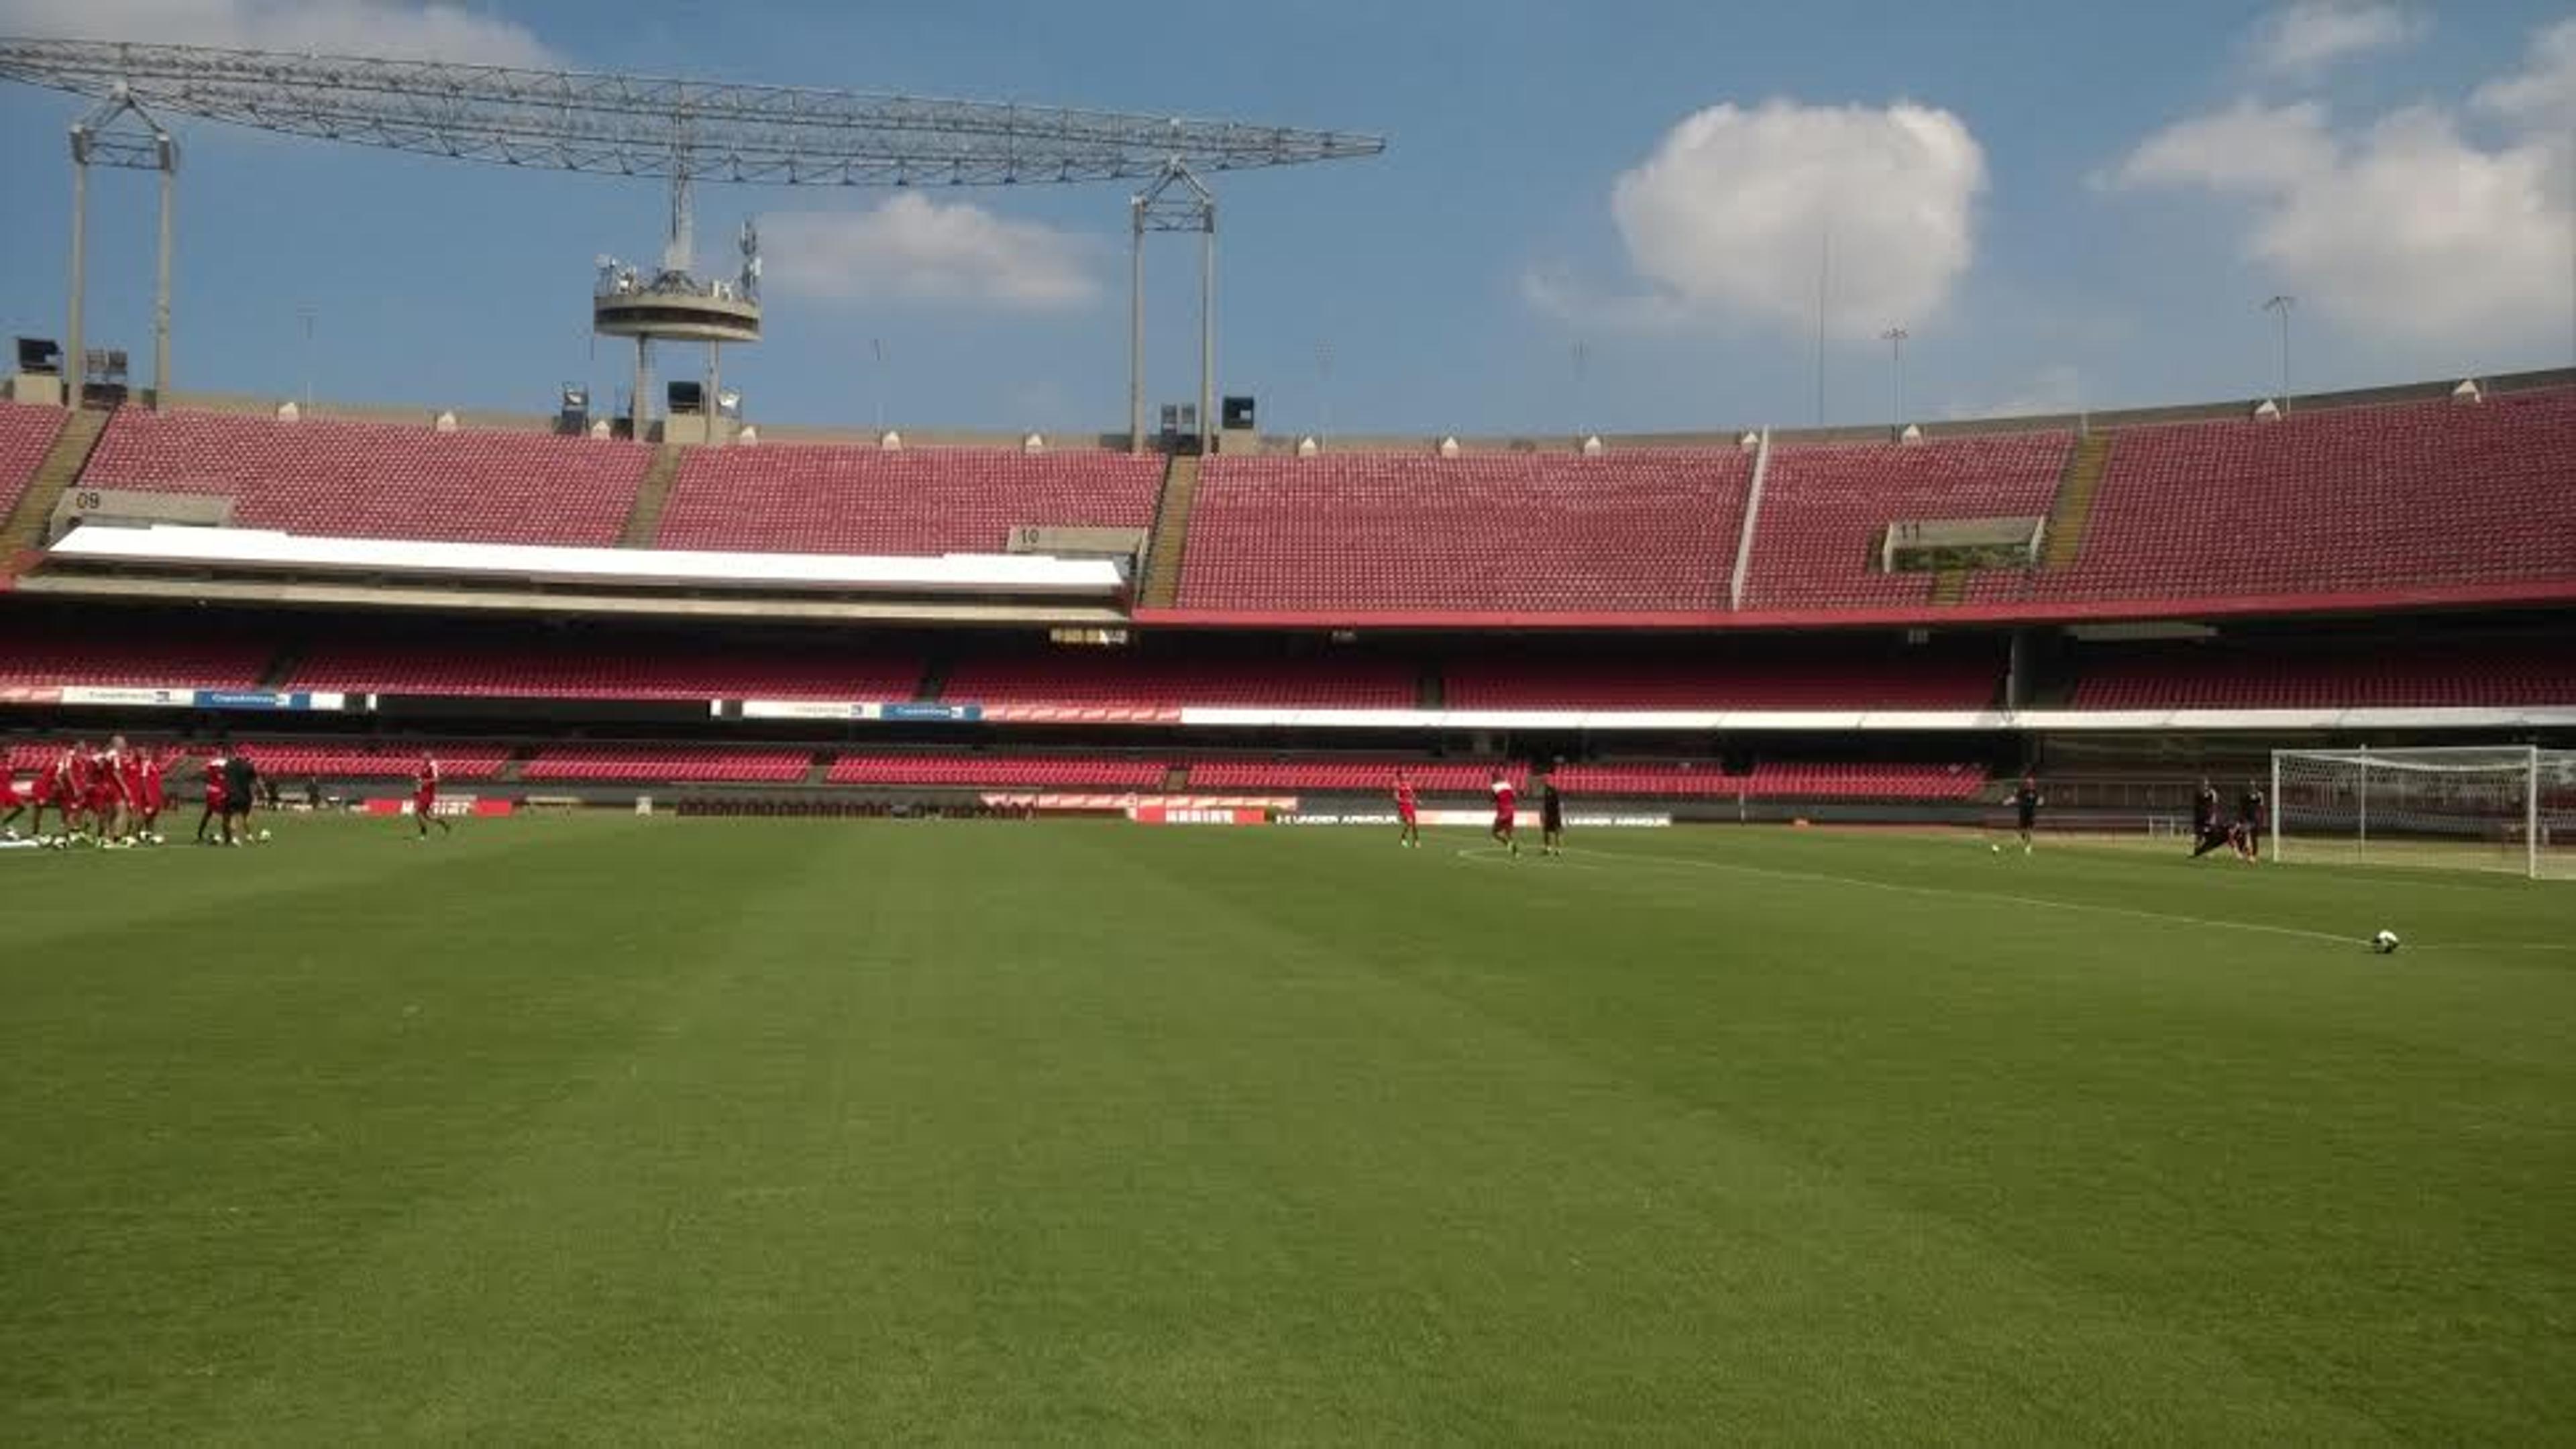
(2210, 830)
(114, 797)
(1506, 827)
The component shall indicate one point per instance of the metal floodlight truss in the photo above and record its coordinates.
(676, 130)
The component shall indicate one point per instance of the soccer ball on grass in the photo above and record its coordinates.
(2385, 943)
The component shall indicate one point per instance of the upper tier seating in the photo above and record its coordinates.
(1487, 532)
(108, 648)
(1064, 771)
(1790, 780)
(2350, 500)
(792, 498)
(1812, 677)
(659, 764)
(2328, 675)
(1108, 678)
(25, 434)
(575, 668)
(1826, 507)
(378, 480)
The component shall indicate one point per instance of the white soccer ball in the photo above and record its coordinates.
(2385, 943)
(263, 837)
(1997, 849)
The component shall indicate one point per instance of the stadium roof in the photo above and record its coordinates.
(659, 127)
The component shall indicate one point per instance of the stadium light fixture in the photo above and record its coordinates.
(2282, 303)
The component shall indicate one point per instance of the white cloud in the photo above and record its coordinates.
(435, 30)
(1724, 221)
(2245, 148)
(2405, 230)
(910, 248)
(2542, 96)
(2304, 39)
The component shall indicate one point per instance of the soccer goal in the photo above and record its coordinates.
(2472, 807)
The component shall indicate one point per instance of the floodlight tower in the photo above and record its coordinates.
(119, 133)
(672, 302)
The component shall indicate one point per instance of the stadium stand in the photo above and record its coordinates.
(1503, 533)
(1067, 771)
(824, 499)
(1810, 676)
(456, 762)
(575, 668)
(1781, 780)
(25, 433)
(1825, 508)
(2316, 674)
(1346, 774)
(109, 648)
(378, 480)
(1102, 677)
(2350, 500)
(657, 764)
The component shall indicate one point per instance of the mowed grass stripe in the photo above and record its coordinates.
(1004, 1132)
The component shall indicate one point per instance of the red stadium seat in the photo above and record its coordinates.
(795, 498)
(1100, 677)
(999, 771)
(667, 764)
(2352, 500)
(1825, 508)
(2312, 674)
(603, 669)
(25, 435)
(1649, 531)
(378, 480)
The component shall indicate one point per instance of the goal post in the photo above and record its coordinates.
(2505, 808)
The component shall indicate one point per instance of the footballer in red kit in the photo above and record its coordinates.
(1408, 811)
(1506, 812)
(215, 802)
(11, 806)
(424, 798)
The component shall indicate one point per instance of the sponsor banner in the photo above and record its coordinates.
(130, 697)
(261, 699)
(30, 694)
(1174, 815)
(804, 709)
(904, 713)
(1525, 819)
(1128, 802)
(1077, 714)
(447, 805)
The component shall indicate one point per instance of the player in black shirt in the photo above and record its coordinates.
(2026, 802)
(1551, 816)
(241, 777)
(2209, 834)
(2249, 822)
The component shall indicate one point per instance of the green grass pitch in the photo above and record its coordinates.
(625, 1131)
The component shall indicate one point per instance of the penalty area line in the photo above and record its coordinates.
(1943, 892)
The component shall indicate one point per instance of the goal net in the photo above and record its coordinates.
(2474, 807)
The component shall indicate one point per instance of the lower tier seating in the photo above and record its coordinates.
(661, 764)
(2325, 675)
(1013, 771)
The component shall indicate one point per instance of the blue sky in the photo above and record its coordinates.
(2060, 203)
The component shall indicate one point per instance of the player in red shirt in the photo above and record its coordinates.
(424, 798)
(148, 765)
(1506, 805)
(216, 805)
(125, 779)
(1408, 811)
(47, 790)
(75, 794)
(11, 807)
